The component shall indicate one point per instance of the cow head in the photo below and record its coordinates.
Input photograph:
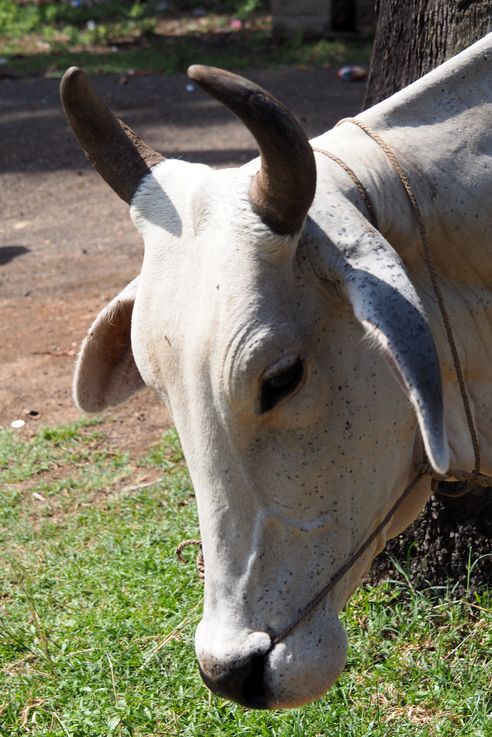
(273, 337)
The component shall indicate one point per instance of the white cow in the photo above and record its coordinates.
(271, 318)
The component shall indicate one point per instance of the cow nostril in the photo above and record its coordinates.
(244, 684)
(253, 691)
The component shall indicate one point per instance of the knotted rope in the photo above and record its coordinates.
(200, 563)
(353, 176)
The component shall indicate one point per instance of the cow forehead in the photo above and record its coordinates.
(220, 302)
(183, 200)
(208, 285)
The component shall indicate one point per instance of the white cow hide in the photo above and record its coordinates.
(226, 310)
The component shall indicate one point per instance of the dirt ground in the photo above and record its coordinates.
(67, 245)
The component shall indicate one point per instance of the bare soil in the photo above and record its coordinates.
(67, 245)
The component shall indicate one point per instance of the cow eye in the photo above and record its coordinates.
(281, 381)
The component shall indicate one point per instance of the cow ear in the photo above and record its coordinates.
(374, 280)
(106, 373)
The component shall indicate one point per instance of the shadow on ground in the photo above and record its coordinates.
(34, 135)
(8, 253)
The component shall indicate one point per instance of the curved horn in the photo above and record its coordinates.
(118, 154)
(283, 190)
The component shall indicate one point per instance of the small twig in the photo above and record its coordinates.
(22, 643)
(137, 487)
(68, 352)
(169, 637)
(58, 719)
(467, 637)
(482, 608)
(30, 706)
(71, 653)
(112, 678)
(39, 627)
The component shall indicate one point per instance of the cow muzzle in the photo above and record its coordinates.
(247, 667)
(232, 664)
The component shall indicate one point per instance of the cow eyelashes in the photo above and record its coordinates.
(280, 382)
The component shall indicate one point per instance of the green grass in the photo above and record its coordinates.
(170, 56)
(113, 37)
(97, 617)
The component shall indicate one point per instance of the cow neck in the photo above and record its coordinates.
(464, 479)
(404, 180)
(355, 179)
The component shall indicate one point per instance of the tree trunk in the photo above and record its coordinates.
(452, 538)
(415, 36)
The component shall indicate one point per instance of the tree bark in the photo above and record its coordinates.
(415, 36)
(452, 538)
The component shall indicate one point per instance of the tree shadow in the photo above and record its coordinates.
(35, 137)
(8, 253)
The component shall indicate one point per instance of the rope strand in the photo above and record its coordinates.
(348, 565)
(353, 176)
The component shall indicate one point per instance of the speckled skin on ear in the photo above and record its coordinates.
(227, 308)
(375, 281)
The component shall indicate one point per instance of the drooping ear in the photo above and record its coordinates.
(374, 279)
(106, 373)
